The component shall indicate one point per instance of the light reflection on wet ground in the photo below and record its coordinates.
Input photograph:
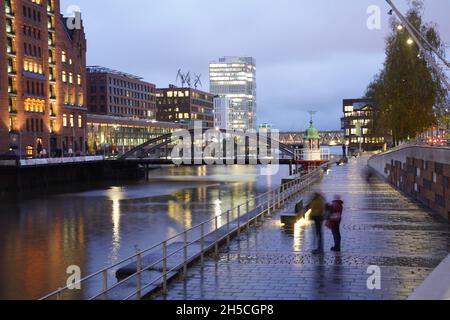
(380, 227)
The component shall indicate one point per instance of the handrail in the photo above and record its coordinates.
(284, 192)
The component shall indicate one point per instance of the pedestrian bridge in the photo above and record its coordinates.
(247, 147)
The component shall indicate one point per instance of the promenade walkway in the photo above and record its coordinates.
(381, 227)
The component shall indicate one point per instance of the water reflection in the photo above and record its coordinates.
(40, 238)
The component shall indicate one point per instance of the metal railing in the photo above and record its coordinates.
(151, 269)
(322, 154)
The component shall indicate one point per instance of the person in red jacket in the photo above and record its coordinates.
(334, 221)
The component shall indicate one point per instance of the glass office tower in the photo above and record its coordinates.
(235, 78)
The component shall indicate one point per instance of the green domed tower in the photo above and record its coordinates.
(312, 137)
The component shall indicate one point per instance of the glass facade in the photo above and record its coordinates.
(235, 78)
(111, 135)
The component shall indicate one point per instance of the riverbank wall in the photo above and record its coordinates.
(421, 172)
(42, 178)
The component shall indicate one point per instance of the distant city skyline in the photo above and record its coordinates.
(310, 55)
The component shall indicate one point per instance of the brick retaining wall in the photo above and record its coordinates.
(419, 173)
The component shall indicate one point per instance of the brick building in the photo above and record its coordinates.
(185, 105)
(42, 79)
(119, 94)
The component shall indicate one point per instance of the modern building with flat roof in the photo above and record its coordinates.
(235, 78)
(358, 125)
(116, 93)
(42, 80)
(222, 108)
(185, 106)
(117, 135)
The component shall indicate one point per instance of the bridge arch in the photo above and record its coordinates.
(165, 142)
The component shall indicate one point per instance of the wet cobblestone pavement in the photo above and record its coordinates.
(380, 227)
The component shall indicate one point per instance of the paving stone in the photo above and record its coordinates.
(380, 227)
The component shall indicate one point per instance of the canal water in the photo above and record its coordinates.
(41, 237)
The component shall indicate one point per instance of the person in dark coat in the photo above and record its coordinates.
(334, 219)
(317, 207)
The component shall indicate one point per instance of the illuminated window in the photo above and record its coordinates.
(65, 120)
(63, 56)
(348, 108)
(29, 151)
(64, 76)
(80, 121)
(72, 124)
(71, 78)
(79, 80)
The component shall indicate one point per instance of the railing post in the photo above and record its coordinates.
(202, 242)
(185, 253)
(228, 227)
(164, 266)
(216, 245)
(59, 294)
(248, 214)
(239, 220)
(105, 281)
(138, 273)
(279, 197)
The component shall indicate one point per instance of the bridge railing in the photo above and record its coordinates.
(152, 268)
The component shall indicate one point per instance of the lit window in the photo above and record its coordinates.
(65, 120)
(71, 78)
(64, 76)
(80, 121)
(79, 80)
(63, 56)
(29, 151)
(72, 121)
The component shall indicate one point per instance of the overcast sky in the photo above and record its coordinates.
(309, 54)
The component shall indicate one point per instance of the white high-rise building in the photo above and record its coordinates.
(235, 78)
(222, 107)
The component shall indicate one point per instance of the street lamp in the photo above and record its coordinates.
(399, 27)
(410, 42)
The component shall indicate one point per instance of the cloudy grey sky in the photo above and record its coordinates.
(310, 54)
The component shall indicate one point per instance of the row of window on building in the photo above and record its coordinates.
(69, 121)
(70, 78)
(31, 13)
(129, 85)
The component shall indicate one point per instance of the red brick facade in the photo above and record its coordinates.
(426, 181)
(42, 81)
(119, 94)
